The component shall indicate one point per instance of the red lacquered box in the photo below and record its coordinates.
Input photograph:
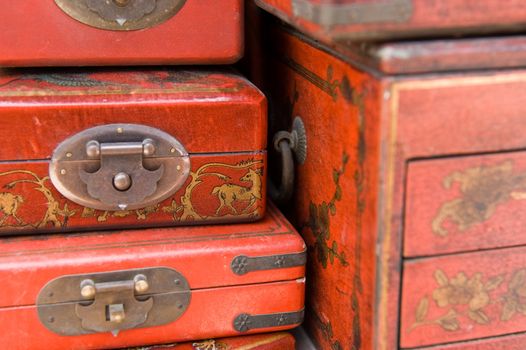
(120, 32)
(128, 288)
(112, 149)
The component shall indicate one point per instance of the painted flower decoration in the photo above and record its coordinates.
(460, 291)
(463, 291)
(515, 299)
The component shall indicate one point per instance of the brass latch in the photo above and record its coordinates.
(113, 301)
(113, 305)
(121, 14)
(119, 167)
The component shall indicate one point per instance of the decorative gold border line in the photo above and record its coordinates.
(122, 91)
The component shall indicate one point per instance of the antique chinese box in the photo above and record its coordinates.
(270, 341)
(364, 20)
(120, 32)
(104, 148)
(411, 198)
(152, 286)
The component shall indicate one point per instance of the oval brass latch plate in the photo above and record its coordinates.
(121, 14)
(113, 301)
(119, 167)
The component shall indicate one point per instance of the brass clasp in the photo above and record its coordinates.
(113, 305)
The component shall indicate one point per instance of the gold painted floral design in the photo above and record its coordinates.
(10, 203)
(209, 345)
(483, 189)
(515, 299)
(461, 297)
(319, 223)
(237, 197)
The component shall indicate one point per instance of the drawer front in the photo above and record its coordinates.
(509, 342)
(465, 203)
(463, 297)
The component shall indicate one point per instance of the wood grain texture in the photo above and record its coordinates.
(465, 203)
(465, 296)
(39, 33)
(411, 18)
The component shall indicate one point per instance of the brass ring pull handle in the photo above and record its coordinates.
(290, 145)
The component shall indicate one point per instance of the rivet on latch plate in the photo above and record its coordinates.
(119, 167)
(113, 301)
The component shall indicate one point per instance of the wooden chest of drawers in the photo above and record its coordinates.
(411, 197)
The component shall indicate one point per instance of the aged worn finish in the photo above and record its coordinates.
(419, 166)
(145, 272)
(120, 32)
(195, 177)
(121, 14)
(83, 304)
(338, 20)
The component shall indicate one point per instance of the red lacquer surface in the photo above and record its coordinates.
(208, 111)
(38, 33)
(218, 294)
(210, 314)
(335, 187)
(454, 118)
(43, 258)
(218, 116)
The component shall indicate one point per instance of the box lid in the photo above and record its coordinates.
(443, 55)
(207, 110)
(206, 257)
(365, 20)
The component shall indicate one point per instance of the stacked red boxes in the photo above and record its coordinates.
(100, 164)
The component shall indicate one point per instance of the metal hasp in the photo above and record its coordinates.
(119, 167)
(245, 322)
(113, 301)
(242, 264)
(121, 14)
